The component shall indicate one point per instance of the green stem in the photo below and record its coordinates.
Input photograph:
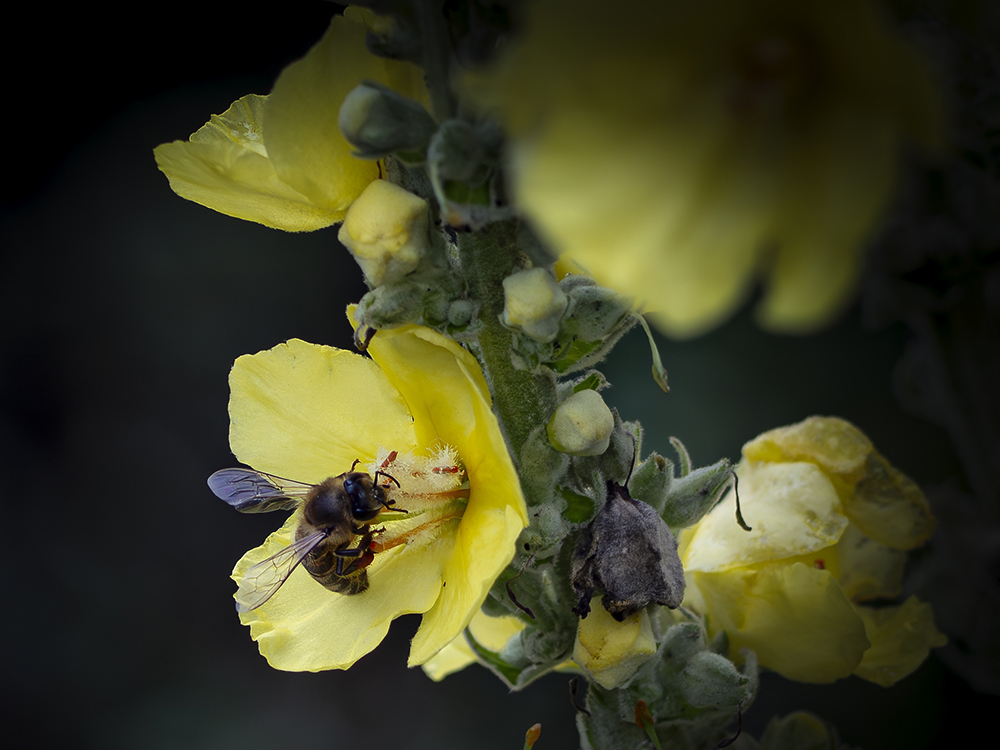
(436, 57)
(522, 401)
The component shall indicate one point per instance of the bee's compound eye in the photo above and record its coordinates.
(364, 494)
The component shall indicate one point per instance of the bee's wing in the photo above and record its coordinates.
(262, 580)
(256, 492)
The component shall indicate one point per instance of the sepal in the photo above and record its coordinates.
(689, 498)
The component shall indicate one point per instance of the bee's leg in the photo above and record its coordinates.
(343, 554)
(388, 503)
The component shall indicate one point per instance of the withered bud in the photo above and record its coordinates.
(628, 553)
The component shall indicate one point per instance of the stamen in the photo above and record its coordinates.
(416, 531)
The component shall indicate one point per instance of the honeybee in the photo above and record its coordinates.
(335, 513)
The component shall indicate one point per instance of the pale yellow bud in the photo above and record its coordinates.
(386, 231)
(582, 425)
(612, 651)
(534, 303)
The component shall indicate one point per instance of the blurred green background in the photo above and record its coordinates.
(124, 308)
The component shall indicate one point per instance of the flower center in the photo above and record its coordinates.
(432, 490)
(770, 69)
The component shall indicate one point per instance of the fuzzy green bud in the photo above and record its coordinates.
(377, 121)
(712, 680)
(650, 481)
(534, 303)
(386, 231)
(581, 425)
(690, 497)
(594, 311)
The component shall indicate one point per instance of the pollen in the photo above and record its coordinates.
(424, 480)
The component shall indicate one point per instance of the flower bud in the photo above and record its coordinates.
(386, 231)
(712, 680)
(797, 730)
(581, 425)
(377, 121)
(594, 311)
(534, 303)
(691, 497)
(612, 651)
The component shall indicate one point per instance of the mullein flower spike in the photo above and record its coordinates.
(678, 152)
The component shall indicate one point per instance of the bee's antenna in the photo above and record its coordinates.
(383, 474)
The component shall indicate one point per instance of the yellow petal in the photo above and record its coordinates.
(307, 412)
(867, 569)
(454, 657)
(492, 633)
(305, 627)
(795, 617)
(833, 444)
(792, 508)
(889, 507)
(901, 638)
(225, 167)
(612, 651)
(849, 164)
(445, 392)
(300, 117)
(709, 153)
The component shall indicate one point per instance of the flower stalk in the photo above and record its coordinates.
(479, 425)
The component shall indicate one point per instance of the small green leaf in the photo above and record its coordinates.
(592, 383)
(507, 672)
(463, 193)
(579, 508)
(574, 353)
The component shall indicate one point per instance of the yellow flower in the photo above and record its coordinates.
(308, 412)
(830, 522)
(610, 652)
(679, 150)
(492, 633)
(280, 160)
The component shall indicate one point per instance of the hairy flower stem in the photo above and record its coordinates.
(523, 402)
(436, 57)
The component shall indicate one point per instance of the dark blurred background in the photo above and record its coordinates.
(124, 307)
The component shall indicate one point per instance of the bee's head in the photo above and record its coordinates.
(366, 498)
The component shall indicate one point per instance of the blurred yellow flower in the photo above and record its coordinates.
(308, 412)
(829, 530)
(280, 160)
(681, 151)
